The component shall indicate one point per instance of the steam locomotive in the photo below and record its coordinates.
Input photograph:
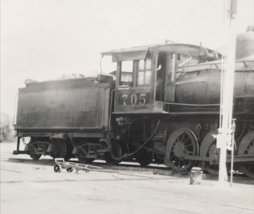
(167, 111)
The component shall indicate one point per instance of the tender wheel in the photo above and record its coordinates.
(57, 168)
(59, 149)
(145, 158)
(246, 147)
(116, 152)
(32, 147)
(181, 142)
(83, 159)
(35, 156)
(81, 151)
(69, 169)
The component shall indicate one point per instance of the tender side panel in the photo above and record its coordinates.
(76, 106)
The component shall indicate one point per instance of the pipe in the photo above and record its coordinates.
(100, 63)
(141, 147)
(173, 68)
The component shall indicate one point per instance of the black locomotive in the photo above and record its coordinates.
(167, 111)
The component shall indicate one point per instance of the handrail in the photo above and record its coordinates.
(196, 105)
(214, 63)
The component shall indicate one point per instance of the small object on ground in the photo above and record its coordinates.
(196, 175)
(69, 166)
(36, 168)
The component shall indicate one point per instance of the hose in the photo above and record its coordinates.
(141, 147)
(100, 63)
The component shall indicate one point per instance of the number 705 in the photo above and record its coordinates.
(135, 99)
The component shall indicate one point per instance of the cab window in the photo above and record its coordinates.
(144, 72)
(126, 73)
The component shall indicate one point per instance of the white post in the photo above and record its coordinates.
(224, 138)
(232, 152)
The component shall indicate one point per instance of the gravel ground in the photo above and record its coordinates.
(33, 188)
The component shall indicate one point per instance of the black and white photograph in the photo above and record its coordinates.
(127, 107)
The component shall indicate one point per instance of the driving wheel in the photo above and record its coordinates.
(180, 143)
(246, 147)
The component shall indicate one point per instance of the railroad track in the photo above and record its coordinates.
(130, 166)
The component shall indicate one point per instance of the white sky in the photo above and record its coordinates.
(43, 39)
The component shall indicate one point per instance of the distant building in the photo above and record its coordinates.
(125, 78)
(5, 128)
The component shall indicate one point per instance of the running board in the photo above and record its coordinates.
(15, 152)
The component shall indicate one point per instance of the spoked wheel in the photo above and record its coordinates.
(246, 147)
(116, 152)
(35, 156)
(32, 147)
(59, 149)
(208, 149)
(83, 159)
(145, 158)
(213, 152)
(181, 142)
(82, 151)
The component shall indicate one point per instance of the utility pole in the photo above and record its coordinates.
(224, 138)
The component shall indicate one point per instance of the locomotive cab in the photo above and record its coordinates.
(153, 71)
(138, 95)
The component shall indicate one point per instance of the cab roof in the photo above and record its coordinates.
(137, 53)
